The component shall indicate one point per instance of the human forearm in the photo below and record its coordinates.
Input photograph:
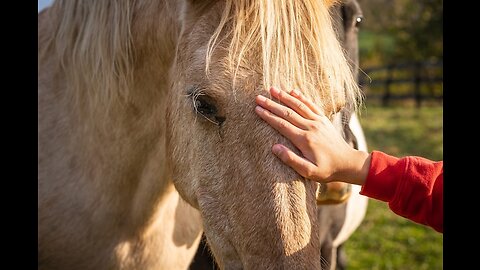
(412, 186)
(356, 168)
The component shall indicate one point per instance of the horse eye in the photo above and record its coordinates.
(205, 105)
(358, 21)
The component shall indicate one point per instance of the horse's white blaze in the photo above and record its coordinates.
(356, 204)
(358, 132)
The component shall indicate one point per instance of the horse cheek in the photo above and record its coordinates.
(180, 155)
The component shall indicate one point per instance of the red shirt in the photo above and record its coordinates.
(412, 186)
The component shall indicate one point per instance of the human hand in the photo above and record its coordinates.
(326, 155)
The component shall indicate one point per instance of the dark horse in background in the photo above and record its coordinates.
(348, 17)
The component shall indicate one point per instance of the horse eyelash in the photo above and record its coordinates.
(210, 120)
(195, 95)
(195, 92)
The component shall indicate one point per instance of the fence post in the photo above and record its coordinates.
(388, 82)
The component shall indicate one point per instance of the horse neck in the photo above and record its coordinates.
(118, 156)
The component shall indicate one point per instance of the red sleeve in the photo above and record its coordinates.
(412, 186)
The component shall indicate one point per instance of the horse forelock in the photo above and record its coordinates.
(297, 45)
(295, 39)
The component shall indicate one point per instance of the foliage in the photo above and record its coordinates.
(399, 30)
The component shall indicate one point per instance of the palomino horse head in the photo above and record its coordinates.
(141, 99)
(256, 211)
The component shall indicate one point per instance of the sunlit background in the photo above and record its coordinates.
(401, 56)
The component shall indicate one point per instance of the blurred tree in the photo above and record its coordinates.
(401, 30)
(419, 31)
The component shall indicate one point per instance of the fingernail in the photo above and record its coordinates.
(274, 90)
(259, 109)
(295, 92)
(261, 98)
(276, 149)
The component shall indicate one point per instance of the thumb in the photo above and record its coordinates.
(301, 165)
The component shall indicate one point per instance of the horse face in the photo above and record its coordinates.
(256, 211)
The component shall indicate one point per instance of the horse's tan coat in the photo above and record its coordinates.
(117, 149)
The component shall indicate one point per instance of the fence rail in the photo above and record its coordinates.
(425, 78)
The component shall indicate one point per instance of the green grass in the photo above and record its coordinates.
(404, 130)
(385, 240)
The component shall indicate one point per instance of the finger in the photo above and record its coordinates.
(302, 98)
(285, 128)
(301, 165)
(312, 106)
(297, 105)
(282, 111)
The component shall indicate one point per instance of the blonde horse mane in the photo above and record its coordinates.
(93, 42)
(297, 44)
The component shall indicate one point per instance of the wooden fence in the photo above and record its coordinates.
(415, 80)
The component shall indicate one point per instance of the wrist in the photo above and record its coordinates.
(356, 168)
(361, 167)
